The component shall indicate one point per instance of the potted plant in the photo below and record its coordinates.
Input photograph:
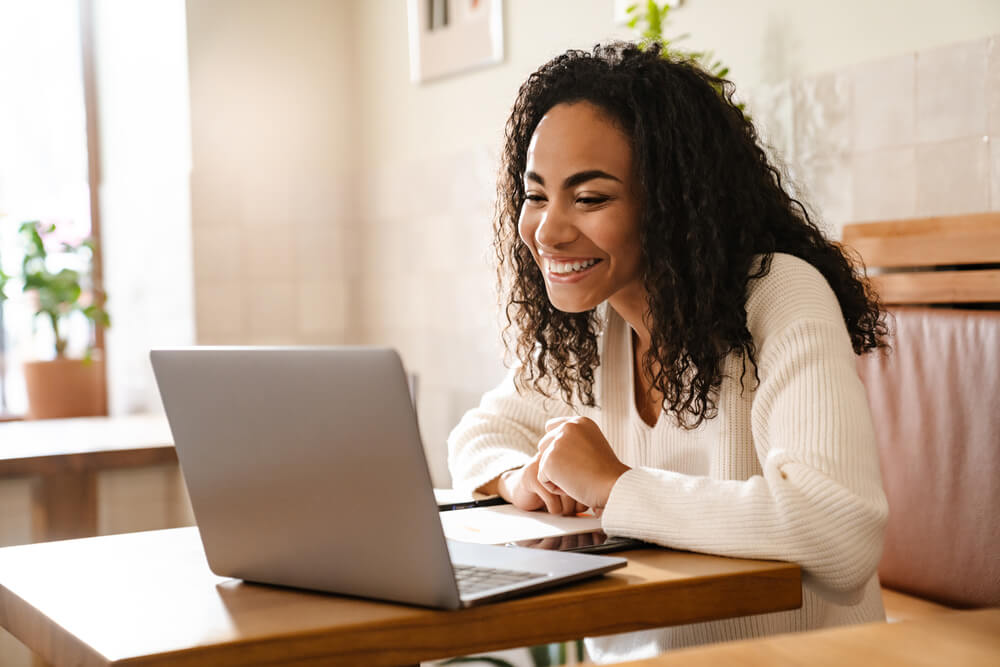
(59, 284)
(649, 18)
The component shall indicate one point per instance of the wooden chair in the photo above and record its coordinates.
(935, 400)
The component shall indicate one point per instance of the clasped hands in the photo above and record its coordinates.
(574, 469)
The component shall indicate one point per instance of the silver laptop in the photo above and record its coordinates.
(305, 468)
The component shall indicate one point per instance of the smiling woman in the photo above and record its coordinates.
(684, 340)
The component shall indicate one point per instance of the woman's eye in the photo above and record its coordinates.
(534, 198)
(592, 200)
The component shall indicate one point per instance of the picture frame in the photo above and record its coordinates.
(451, 36)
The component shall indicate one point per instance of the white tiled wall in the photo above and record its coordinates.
(279, 274)
(883, 107)
(427, 282)
(274, 179)
(884, 184)
(953, 176)
(951, 92)
(822, 110)
(909, 136)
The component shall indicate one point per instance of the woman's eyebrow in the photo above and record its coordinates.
(589, 175)
(534, 176)
(575, 179)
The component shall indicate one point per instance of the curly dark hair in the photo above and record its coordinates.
(711, 203)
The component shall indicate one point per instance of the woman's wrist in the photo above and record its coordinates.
(504, 489)
(613, 480)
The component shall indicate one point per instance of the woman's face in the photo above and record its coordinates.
(580, 217)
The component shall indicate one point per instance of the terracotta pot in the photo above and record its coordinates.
(65, 388)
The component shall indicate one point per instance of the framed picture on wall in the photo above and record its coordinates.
(450, 36)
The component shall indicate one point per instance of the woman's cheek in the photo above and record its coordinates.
(526, 226)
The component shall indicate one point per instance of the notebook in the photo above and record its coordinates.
(305, 469)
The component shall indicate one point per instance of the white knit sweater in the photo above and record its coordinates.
(788, 470)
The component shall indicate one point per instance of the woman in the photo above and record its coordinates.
(686, 339)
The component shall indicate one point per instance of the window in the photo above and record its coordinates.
(43, 163)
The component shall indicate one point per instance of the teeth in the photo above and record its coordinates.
(570, 267)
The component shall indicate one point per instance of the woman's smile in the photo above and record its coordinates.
(568, 270)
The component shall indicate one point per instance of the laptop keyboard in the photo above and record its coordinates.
(472, 579)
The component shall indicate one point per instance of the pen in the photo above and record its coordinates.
(486, 502)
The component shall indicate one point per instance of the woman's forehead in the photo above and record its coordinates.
(578, 136)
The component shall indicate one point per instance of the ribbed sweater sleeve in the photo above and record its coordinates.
(819, 500)
(501, 434)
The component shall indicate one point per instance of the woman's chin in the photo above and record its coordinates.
(570, 305)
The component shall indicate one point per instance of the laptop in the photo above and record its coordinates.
(305, 468)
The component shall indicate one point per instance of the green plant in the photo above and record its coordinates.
(650, 18)
(59, 292)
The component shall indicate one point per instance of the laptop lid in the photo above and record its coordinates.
(305, 468)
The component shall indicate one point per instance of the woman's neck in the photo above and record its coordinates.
(632, 307)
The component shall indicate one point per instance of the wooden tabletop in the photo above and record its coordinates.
(51, 446)
(149, 598)
(966, 638)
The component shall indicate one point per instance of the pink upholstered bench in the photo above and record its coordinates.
(935, 400)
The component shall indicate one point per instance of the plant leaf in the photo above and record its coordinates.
(97, 315)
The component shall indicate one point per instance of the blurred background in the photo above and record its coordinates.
(270, 171)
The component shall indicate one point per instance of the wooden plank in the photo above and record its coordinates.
(967, 638)
(94, 177)
(929, 250)
(969, 224)
(938, 287)
(150, 599)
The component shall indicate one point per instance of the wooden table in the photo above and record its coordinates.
(966, 638)
(65, 455)
(149, 598)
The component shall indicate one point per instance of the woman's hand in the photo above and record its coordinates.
(575, 459)
(521, 488)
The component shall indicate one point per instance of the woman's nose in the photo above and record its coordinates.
(554, 229)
